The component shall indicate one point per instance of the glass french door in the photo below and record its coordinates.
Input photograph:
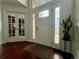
(15, 26)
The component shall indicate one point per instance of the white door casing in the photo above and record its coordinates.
(17, 12)
(15, 26)
(45, 26)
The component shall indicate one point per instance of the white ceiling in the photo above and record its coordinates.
(36, 3)
(8, 1)
(12, 2)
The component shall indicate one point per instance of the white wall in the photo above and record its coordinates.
(76, 28)
(0, 26)
(67, 9)
(72, 7)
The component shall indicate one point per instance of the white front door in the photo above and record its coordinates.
(43, 27)
(15, 26)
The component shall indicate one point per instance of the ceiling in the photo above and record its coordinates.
(12, 2)
(8, 1)
(36, 3)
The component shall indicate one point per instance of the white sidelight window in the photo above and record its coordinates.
(33, 26)
(57, 20)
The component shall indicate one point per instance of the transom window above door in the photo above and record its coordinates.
(44, 13)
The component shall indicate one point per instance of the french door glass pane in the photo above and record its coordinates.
(21, 27)
(11, 25)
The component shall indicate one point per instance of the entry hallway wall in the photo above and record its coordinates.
(76, 15)
(0, 26)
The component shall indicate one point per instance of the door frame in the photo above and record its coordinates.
(49, 6)
(12, 8)
(17, 26)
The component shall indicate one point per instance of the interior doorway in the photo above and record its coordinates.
(15, 26)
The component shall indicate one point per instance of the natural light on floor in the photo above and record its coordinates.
(56, 56)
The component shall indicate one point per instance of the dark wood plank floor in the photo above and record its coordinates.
(16, 50)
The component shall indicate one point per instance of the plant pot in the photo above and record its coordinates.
(66, 46)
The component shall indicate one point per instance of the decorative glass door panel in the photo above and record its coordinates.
(21, 27)
(11, 26)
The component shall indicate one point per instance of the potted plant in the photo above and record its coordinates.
(67, 24)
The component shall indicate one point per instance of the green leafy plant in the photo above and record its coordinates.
(67, 24)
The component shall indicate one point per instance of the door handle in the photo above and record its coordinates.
(37, 28)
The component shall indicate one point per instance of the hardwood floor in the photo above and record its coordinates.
(27, 50)
(15, 51)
